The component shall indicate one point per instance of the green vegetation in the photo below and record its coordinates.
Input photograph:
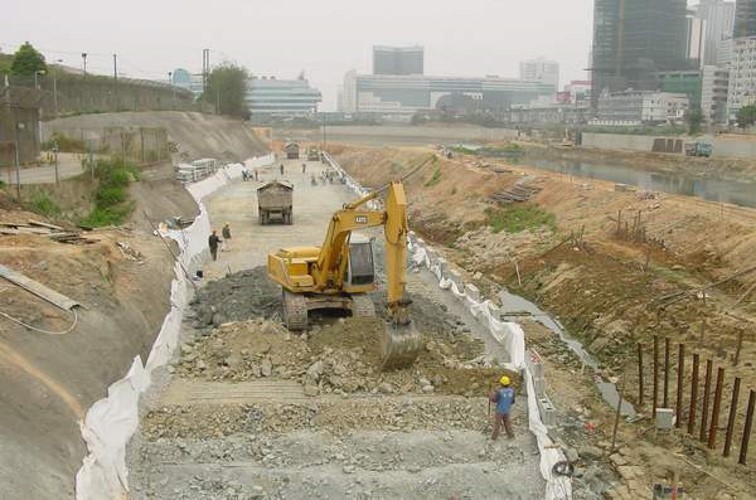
(435, 178)
(42, 203)
(27, 60)
(226, 90)
(65, 144)
(746, 116)
(112, 205)
(5, 64)
(514, 218)
(694, 118)
(507, 150)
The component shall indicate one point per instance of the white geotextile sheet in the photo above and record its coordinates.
(510, 335)
(111, 421)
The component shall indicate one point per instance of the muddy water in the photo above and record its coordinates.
(511, 303)
(712, 189)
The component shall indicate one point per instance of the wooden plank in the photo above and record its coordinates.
(41, 291)
(45, 224)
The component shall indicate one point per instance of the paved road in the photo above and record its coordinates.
(69, 165)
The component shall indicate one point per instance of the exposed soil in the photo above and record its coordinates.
(605, 285)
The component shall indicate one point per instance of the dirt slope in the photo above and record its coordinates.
(196, 134)
(603, 284)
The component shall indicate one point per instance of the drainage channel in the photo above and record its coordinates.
(511, 303)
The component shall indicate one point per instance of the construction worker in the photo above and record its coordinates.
(213, 242)
(282, 169)
(504, 398)
(226, 233)
(304, 167)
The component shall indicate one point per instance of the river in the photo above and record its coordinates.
(739, 193)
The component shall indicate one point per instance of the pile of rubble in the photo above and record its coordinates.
(341, 357)
(237, 297)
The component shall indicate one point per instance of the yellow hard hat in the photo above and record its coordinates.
(504, 380)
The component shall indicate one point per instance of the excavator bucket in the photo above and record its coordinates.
(401, 345)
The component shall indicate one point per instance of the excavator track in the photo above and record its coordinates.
(362, 305)
(295, 310)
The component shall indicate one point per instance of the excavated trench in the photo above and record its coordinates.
(246, 409)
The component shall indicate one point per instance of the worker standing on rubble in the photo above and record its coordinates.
(213, 242)
(504, 397)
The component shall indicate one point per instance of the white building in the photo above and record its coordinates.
(720, 20)
(636, 107)
(714, 85)
(742, 88)
(540, 70)
(695, 47)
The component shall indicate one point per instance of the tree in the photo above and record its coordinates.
(694, 117)
(27, 60)
(227, 89)
(746, 116)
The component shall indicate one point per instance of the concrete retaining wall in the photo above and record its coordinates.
(723, 146)
(618, 141)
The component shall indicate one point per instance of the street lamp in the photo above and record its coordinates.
(55, 86)
(36, 80)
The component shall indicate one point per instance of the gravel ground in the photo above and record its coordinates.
(421, 432)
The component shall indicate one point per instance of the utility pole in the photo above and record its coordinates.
(217, 101)
(55, 88)
(17, 127)
(115, 83)
(84, 59)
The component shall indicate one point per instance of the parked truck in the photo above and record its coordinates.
(698, 148)
(313, 154)
(274, 202)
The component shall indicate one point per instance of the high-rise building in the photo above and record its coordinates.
(742, 88)
(398, 60)
(635, 39)
(540, 70)
(720, 20)
(745, 18)
(714, 94)
(696, 41)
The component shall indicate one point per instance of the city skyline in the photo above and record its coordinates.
(478, 38)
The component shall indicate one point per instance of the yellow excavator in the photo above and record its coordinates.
(341, 273)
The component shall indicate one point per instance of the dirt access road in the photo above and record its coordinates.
(213, 430)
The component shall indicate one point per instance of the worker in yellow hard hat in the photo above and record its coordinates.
(504, 398)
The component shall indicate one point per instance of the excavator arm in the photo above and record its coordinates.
(402, 341)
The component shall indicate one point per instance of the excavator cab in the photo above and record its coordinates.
(361, 270)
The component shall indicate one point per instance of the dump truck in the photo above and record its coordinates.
(698, 148)
(274, 202)
(292, 151)
(313, 154)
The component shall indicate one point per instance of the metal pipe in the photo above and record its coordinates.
(715, 410)
(680, 378)
(693, 395)
(666, 373)
(705, 409)
(640, 374)
(747, 428)
(656, 375)
(731, 417)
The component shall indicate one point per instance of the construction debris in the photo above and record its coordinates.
(55, 233)
(129, 252)
(521, 191)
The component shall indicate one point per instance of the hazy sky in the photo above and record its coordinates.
(325, 38)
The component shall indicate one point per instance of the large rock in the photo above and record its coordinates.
(315, 371)
(266, 368)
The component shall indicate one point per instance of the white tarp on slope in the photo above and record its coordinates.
(509, 334)
(111, 421)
